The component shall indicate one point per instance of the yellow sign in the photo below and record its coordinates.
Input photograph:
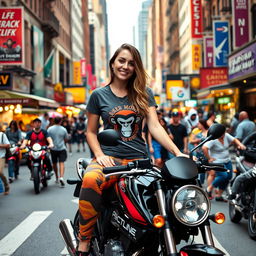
(170, 84)
(79, 94)
(77, 73)
(58, 87)
(196, 57)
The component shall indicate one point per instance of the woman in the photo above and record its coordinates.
(217, 151)
(13, 134)
(122, 104)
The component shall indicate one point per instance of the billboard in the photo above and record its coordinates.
(240, 22)
(77, 79)
(208, 51)
(176, 91)
(221, 43)
(196, 19)
(11, 36)
(196, 57)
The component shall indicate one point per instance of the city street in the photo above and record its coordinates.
(29, 222)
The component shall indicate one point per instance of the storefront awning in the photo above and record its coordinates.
(28, 100)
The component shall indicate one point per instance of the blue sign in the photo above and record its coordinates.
(221, 43)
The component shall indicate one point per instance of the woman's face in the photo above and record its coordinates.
(123, 66)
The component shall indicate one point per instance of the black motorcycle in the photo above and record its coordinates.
(150, 210)
(244, 206)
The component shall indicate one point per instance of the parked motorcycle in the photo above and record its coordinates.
(150, 210)
(39, 168)
(13, 160)
(245, 205)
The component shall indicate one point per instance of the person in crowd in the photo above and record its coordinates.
(160, 154)
(81, 130)
(211, 118)
(191, 120)
(200, 113)
(51, 122)
(179, 133)
(233, 124)
(13, 134)
(217, 151)
(245, 126)
(197, 137)
(45, 121)
(122, 103)
(66, 124)
(59, 136)
(4, 144)
(41, 136)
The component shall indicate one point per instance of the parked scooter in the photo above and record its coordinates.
(244, 205)
(13, 160)
(150, 210)
(39, 168)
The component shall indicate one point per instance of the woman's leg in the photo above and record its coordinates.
(11, 167)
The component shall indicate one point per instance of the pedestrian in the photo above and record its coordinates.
(191, 120)
(59, 136)
(217, 151)
(122, 104)
(245, 127)
(233, 125)
(211, 118)
(179, 133)
(40, 136)
(66, 124)
(80, 130)
(4, 144)
(45, 121)
(13, 134)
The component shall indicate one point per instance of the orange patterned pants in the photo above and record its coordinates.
(90, 199)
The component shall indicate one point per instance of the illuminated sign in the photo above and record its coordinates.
(5, 80)
(223, 100)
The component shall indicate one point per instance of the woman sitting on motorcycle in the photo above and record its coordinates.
(14, 136)
(122, 104)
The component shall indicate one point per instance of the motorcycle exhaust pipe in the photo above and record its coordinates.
(67, 233)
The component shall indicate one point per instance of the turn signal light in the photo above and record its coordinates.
(183, 253)
(219, 218)
(158, 221)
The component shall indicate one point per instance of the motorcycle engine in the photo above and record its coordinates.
(113, 248)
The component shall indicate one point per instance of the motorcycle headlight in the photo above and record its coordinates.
(36, 147)
(190, 205)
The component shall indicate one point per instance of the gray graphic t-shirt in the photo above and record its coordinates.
(119, 114)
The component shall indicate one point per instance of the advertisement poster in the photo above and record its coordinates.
(241, 22)
(208, 51)
(11, 36)
(196, 19)
(221, 43)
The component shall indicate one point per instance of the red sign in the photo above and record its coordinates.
(83, 67)
(196, 18)
(213, 76)
(11, 35)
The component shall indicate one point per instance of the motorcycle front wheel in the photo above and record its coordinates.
(234, 214)
(252, 225)
(36, 179)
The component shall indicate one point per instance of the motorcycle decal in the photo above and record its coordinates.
(126, 121)
(133, 212)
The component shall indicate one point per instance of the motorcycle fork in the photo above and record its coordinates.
(207, 234)
(168, 236)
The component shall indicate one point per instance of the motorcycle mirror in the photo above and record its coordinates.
(216, 131)
(109, 137)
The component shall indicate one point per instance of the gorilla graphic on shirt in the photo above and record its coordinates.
(127, 123)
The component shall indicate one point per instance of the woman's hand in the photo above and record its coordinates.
(105, 161)
(182, 154)
(241, 146)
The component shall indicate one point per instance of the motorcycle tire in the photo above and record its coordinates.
(234, 214)
(252, 224)
(36, 179)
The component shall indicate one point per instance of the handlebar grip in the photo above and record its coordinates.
(113, 169)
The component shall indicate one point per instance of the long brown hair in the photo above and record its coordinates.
(136, 87)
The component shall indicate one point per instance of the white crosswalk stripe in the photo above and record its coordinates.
(12, 241)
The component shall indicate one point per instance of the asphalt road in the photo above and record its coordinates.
(29, 222)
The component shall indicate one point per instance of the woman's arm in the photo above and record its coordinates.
(239, 144)
(158, 132)
(91, 135)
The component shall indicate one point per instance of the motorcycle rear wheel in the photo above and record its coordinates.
(252, 225)
(234, 214)
(36, 179)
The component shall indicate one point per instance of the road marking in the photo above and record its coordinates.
(64, 252)
(12, 241)
(199, 240)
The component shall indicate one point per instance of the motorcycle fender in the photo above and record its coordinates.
(201, 250)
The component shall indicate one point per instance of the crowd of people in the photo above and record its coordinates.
(58, 135)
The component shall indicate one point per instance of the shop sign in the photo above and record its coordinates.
(83, 67)
(11, 36)
(208, 51)
(221, 43)
(241, 22)
(196, 18)
(196, 57)
(5, 80)
(213, 76)
(21, 101)
(77, 73)
(79, 94)
(242, 64)
(223, 100)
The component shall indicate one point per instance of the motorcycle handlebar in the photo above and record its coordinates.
(141, 164)
(203, 167)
